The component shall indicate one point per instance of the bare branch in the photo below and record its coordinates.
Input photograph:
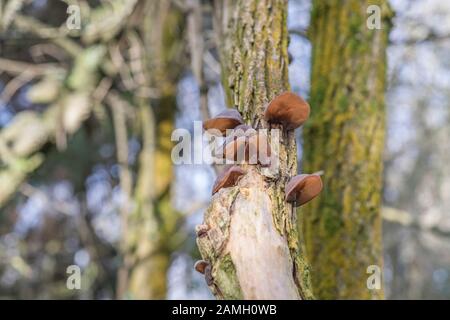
(33, 26)
(431, 37)
(406, 219)
(17, 67)
(118, 106)
(196, 43)
(299, 32)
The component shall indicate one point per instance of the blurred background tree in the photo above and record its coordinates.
(85, 123)
(345, 139)
(106, 95)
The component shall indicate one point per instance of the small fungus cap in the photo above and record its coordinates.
(258, 149)
(200, 266)
(225, 120)
(303, 188)
(228, 178)
(236, 142)
(287, 109)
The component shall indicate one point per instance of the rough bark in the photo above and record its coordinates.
(345, 138)
(153, 223)
(251, 240)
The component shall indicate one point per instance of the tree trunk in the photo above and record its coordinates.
(249, 235)
(345, 138)
(153, 223)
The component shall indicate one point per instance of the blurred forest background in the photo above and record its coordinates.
(86, 118)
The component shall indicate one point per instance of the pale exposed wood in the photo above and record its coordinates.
(249, 235)
(260, 254)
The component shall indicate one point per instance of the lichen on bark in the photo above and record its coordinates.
(345, 137)
(253, 42)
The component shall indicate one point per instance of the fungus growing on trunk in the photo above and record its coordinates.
(258, 150)
(225, 120)
(303, 188)
(235, 143)
(234, 148)
(287, 109)
(244, 130)
(228, 178)
(246, 144)
(201, 230)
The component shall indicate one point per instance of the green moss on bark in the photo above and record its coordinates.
(226, 279)
(255, 62)
(345, 138)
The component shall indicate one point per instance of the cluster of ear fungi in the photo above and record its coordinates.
(287, 111)
(243, 145)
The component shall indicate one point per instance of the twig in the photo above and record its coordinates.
(300, 32)
(196, 43)
(38, 52)
(119, 63)
(17, 67)
(118, 107)
(211, 62)
(136, 56)
(431, 37)
(11, 9)
(102, 89)
(197, 50)
(406, 219)
(15, 84)
(42, 30)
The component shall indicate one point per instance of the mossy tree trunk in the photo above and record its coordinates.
(152, 226)
(252, 242)
(345, 138)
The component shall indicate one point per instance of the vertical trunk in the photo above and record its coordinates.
(345, 138)
(153, 223)
(251, 240)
